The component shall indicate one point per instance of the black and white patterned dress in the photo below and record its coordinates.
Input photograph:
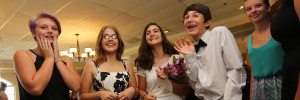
(111, 81)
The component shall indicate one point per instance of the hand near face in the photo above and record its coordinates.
(127, 94)
(55, 49)
(184, 46)
(150, 96)
(160, 72)
(45, 46)
(107, 95)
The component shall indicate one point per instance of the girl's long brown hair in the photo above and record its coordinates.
(100, 56)
(145, 57)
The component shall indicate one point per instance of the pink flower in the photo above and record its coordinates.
(176, 69)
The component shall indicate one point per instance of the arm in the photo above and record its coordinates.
(3, 96)
(235, 72)
(142, 82)
(86, 82)
(297, 8)
(34, 81)
(131, 91)
(192, 62)
(142, 86)
(68, 73)
(245, 47)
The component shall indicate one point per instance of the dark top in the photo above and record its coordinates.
(285, 26)
(55, 90)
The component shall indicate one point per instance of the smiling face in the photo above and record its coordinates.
(194, 23)
(153, 35)
(256, 10)
(110, 41)
(47, 28)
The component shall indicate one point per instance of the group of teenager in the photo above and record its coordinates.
(214, 66)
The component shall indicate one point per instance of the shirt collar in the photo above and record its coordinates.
(204, 37)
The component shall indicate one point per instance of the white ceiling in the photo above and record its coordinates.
(86, 17)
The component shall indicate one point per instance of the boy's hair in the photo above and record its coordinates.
(200, 8)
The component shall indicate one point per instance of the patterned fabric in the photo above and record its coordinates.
(267, 88)
(111, 81)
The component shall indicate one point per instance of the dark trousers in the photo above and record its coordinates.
(290, 75)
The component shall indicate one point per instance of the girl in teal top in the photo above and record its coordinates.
(266, 55)
(267, 59)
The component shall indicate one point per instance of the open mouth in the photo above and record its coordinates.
(153, 38)
(110, 44)
(49, 37)
(191, 26)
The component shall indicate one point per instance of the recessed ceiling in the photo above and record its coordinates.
(86, 17)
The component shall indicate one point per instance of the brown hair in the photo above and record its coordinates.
(100, 56)
(145, 57)
(200, 8)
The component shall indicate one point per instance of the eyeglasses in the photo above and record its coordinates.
(115, 36)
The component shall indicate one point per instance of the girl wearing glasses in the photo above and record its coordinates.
(110, 76)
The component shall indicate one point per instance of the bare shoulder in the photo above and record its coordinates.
(90, 66)
(245, 41)
(22, 54)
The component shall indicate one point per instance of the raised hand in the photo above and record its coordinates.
(55, 49)
(184, 46)
(126, 94)
(160, 72)
(107, 95)
(45, 47)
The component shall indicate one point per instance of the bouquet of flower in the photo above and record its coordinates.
(176, 70)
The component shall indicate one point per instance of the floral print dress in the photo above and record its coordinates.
(111, 81)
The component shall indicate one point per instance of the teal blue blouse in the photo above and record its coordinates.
(266, 60)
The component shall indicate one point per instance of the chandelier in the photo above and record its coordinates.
(76, 55)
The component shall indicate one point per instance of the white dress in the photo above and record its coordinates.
(162, 89)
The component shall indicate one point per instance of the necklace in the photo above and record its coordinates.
(37, 53)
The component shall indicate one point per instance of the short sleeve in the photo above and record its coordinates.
(141, 72)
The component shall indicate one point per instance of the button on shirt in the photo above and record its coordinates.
(216, 71)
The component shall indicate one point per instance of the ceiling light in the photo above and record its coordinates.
(75, 54)
(166, 31)
(241, 7)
